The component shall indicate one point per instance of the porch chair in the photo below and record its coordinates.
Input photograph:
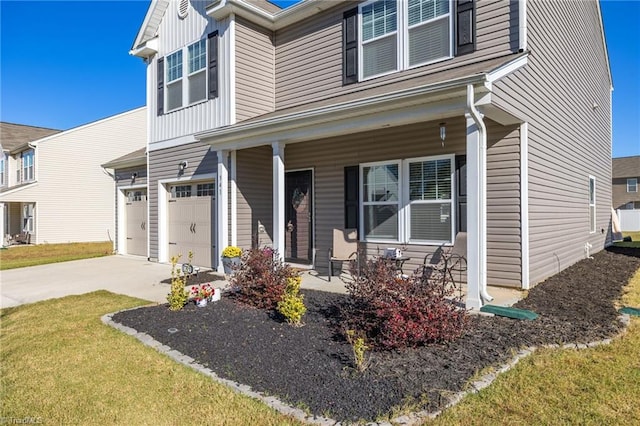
(447, 260)
(23, 238)
(345, 247)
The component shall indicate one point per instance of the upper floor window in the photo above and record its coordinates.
(27, 166)
(189, 75)
(400, 35)
(632, 185)
(2, 169)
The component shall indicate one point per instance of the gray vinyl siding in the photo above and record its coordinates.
(620, 195)
(329, 157)
(255, 65)
(255, 200)
(568, 139)
(164, 166)
(123, 176)
(175, 33)
(309, 53)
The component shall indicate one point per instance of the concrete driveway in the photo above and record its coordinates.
(118, 274)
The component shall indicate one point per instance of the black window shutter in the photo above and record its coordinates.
(350, 47)
(465, 27)
(160, 86)
(461, 186)
(351, 198)
(213, 65)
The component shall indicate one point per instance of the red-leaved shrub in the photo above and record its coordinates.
(261, 279)
(397, 312)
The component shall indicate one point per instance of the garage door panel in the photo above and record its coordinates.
(190, 229)
(136, 232)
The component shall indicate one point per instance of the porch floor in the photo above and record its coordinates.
(503, 296)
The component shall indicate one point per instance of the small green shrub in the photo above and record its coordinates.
(178, 295)
(359, 348)
(292, 308)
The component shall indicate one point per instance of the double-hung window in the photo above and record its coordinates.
(186, 90)
(632, 185)
(2, 169)
(397, 35)
(27, 166)
(592, 204)
(430, 200)
(410, 201)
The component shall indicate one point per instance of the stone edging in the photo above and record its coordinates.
(276, 404)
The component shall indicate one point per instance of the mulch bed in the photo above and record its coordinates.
(311, 366)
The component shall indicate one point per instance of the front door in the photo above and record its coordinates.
(298, 216)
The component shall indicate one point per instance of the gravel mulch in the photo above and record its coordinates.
(311, 367)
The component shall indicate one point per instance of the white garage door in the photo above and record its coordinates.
(191, 223)
(136, 227)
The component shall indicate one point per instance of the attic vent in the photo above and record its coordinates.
(183, 8)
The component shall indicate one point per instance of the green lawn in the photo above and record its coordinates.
(21, 256)
(62, 365)
(635, 240)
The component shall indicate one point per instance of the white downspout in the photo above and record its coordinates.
(482, 180)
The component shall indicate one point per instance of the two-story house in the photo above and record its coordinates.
(408, 120)
(56, 191)
(625, 181)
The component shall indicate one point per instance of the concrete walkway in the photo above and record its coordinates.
(136, 277)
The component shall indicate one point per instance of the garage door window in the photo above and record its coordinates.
(181, 191)
(204, 189)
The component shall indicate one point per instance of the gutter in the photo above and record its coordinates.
(482, 129)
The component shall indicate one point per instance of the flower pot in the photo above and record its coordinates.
(229, 264)
(201, 303)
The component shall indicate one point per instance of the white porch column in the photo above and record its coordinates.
(222, 203)
(278, 198)
(3, 232)
(234, 199)
(476, 216)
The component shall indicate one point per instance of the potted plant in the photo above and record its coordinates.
(231, 259)
(202, 294)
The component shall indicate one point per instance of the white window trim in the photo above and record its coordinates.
(635, 184)
(404, 204)
(186, 76)
(402, 39)
(23, 175)
(592, 223)
(407, 202)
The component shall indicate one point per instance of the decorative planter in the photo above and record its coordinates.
(229, 263)
(201, 303)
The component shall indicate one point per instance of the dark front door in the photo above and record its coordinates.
(298, 216)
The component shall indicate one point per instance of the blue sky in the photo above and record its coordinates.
(63, 64)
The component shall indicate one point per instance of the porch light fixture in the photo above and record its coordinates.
(182, 165)
(134, 176)
(443, 132)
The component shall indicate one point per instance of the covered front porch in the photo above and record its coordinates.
(17, 222)
(406, 171)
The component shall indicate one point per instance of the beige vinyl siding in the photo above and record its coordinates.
(164, 166)
(74, 195)
(255, 200)
(175, 33)
(568, 139)
(255, 69)
(309, 53)
(329, 157)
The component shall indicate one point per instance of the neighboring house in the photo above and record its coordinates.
(410, 121)
(625, 182)
(61, 193)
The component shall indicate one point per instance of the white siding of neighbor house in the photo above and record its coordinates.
(74, 195)
(175, 33)
(569, 139)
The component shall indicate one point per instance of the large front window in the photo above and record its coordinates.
(400, 35)
(183, 91)
(408, 201)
